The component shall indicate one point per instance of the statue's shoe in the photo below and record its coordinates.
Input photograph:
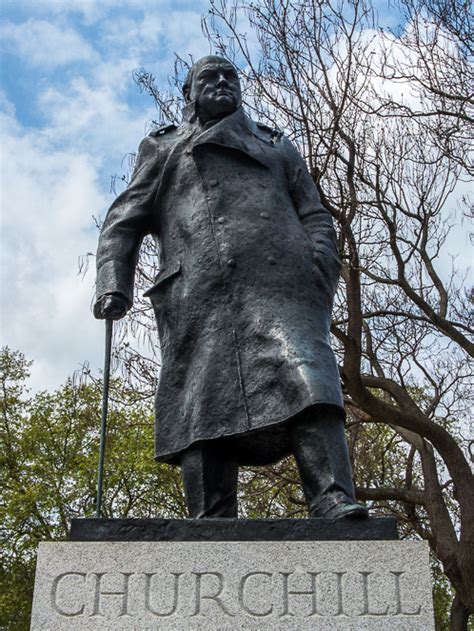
(353, 511)
(337, 505)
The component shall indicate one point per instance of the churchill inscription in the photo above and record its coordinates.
(165, 595)
(233, 585)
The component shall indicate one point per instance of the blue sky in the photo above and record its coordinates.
(69, 115)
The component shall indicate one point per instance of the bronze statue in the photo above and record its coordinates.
(248, 270)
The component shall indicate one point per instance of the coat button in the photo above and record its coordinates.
(271, 260)
(213, 182)
(264, 215)
(220, 219)
(231, 263)
(189, 151)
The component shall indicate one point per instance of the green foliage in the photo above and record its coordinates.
(443, 595)
(271, 492)
(49, 456)
(379, 455)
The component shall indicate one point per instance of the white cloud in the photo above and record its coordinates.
(92, 10)
(184, 30)
(125, 31)
(92, 118)
(42, 43)
(157, 35)
(48, 198)
(6, 105)
(50, 192)
(88, 10)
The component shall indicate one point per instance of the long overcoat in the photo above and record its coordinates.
(248, 270)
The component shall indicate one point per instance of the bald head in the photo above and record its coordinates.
(213, 84)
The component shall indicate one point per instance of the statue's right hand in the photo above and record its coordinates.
(110, 307)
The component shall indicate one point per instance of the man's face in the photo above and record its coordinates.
(216, 90)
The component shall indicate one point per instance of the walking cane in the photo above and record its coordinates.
(103, 425)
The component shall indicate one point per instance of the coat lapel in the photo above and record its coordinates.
(237, 132)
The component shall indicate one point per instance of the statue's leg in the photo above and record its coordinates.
(210, 480)
(321, 453)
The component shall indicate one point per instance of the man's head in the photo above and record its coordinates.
(213, 83)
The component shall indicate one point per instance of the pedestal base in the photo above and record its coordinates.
(233, 585)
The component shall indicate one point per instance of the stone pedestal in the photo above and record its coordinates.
(232, 585)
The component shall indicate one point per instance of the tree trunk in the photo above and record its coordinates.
(459, 615)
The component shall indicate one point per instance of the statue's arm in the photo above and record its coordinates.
(316, 219)
(125, 225)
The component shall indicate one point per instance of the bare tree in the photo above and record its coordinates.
(385, 121)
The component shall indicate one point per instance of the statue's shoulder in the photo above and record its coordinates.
(152, 145)
(271, 133)
(164, 130)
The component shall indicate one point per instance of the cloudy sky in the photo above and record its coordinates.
(69, 115)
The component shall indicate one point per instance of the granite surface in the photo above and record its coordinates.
(220, 585)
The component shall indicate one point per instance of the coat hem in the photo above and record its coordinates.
(174, 458)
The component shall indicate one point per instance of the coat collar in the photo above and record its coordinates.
(236, 131)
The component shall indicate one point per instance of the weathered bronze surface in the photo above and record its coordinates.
(248, 270)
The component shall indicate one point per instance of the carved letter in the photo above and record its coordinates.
(312, 592)
(398, 596)
(54, 595)
(365, 587)
(99, 592)
(174, 606)
(243, 583)
(215, 597)
(340, 600)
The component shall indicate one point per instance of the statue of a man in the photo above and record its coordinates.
(248, 270)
